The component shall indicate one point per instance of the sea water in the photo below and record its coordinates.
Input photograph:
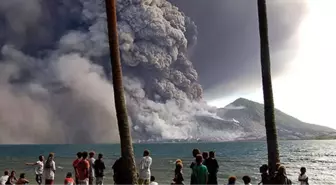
(235, 158)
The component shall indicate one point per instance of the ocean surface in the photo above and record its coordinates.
(235, 158)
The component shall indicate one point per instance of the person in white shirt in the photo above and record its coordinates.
(91, 171)
(38, 169)
(50, 170)
(152, 181)
(4, 179)
(247, 180)
(303, 178)
(144, 169)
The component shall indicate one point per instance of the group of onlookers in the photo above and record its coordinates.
(88, 169)
(204, 170)
(8, 179)
(144, 172)
(47, 169)
(280, 175)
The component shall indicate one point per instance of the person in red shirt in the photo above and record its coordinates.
(83, 168)
(75, 163)
(68, 179)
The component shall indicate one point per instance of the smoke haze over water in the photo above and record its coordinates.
(55, 82)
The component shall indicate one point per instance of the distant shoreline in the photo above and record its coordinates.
(186, 142)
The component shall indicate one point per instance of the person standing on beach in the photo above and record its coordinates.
(281, 177)
(83, 170)
(303, 178)
(117, 171)
(92, 173)
(265, 177)
(144, 168)
(212, 165)
(200, 171)
(99, 167)
(39, 169)
(178, 179)
(4, 178)
(75, 163)
(195, 152)
(50, 170)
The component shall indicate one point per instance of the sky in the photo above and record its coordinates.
(305, 90)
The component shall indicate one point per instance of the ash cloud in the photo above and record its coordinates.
(55, 74)
(55, 80)
(227, 54)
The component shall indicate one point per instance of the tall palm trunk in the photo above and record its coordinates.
(271, 132)
(127, 153)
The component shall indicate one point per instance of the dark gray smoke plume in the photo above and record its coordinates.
(55, 85)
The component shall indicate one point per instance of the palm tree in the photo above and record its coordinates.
(271, 132)
(127, 154)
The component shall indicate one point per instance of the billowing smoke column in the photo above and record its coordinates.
(55, 77)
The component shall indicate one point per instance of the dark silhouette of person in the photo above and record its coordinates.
(247, 180)
(117, 171)
(265, 177)
(205, 156)
(212, 165)
(99, 168)
(281, 177)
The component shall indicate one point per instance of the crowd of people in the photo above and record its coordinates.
(204, 169)
(89, 171)
(86, 169)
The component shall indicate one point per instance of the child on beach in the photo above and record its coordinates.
(68, 179)
(232, 180)
(153, 182)
(303, 178)
(22, 180)
(247, 180)
(178, 179)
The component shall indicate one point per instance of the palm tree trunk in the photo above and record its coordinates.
(271, 132)
(127, 153)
